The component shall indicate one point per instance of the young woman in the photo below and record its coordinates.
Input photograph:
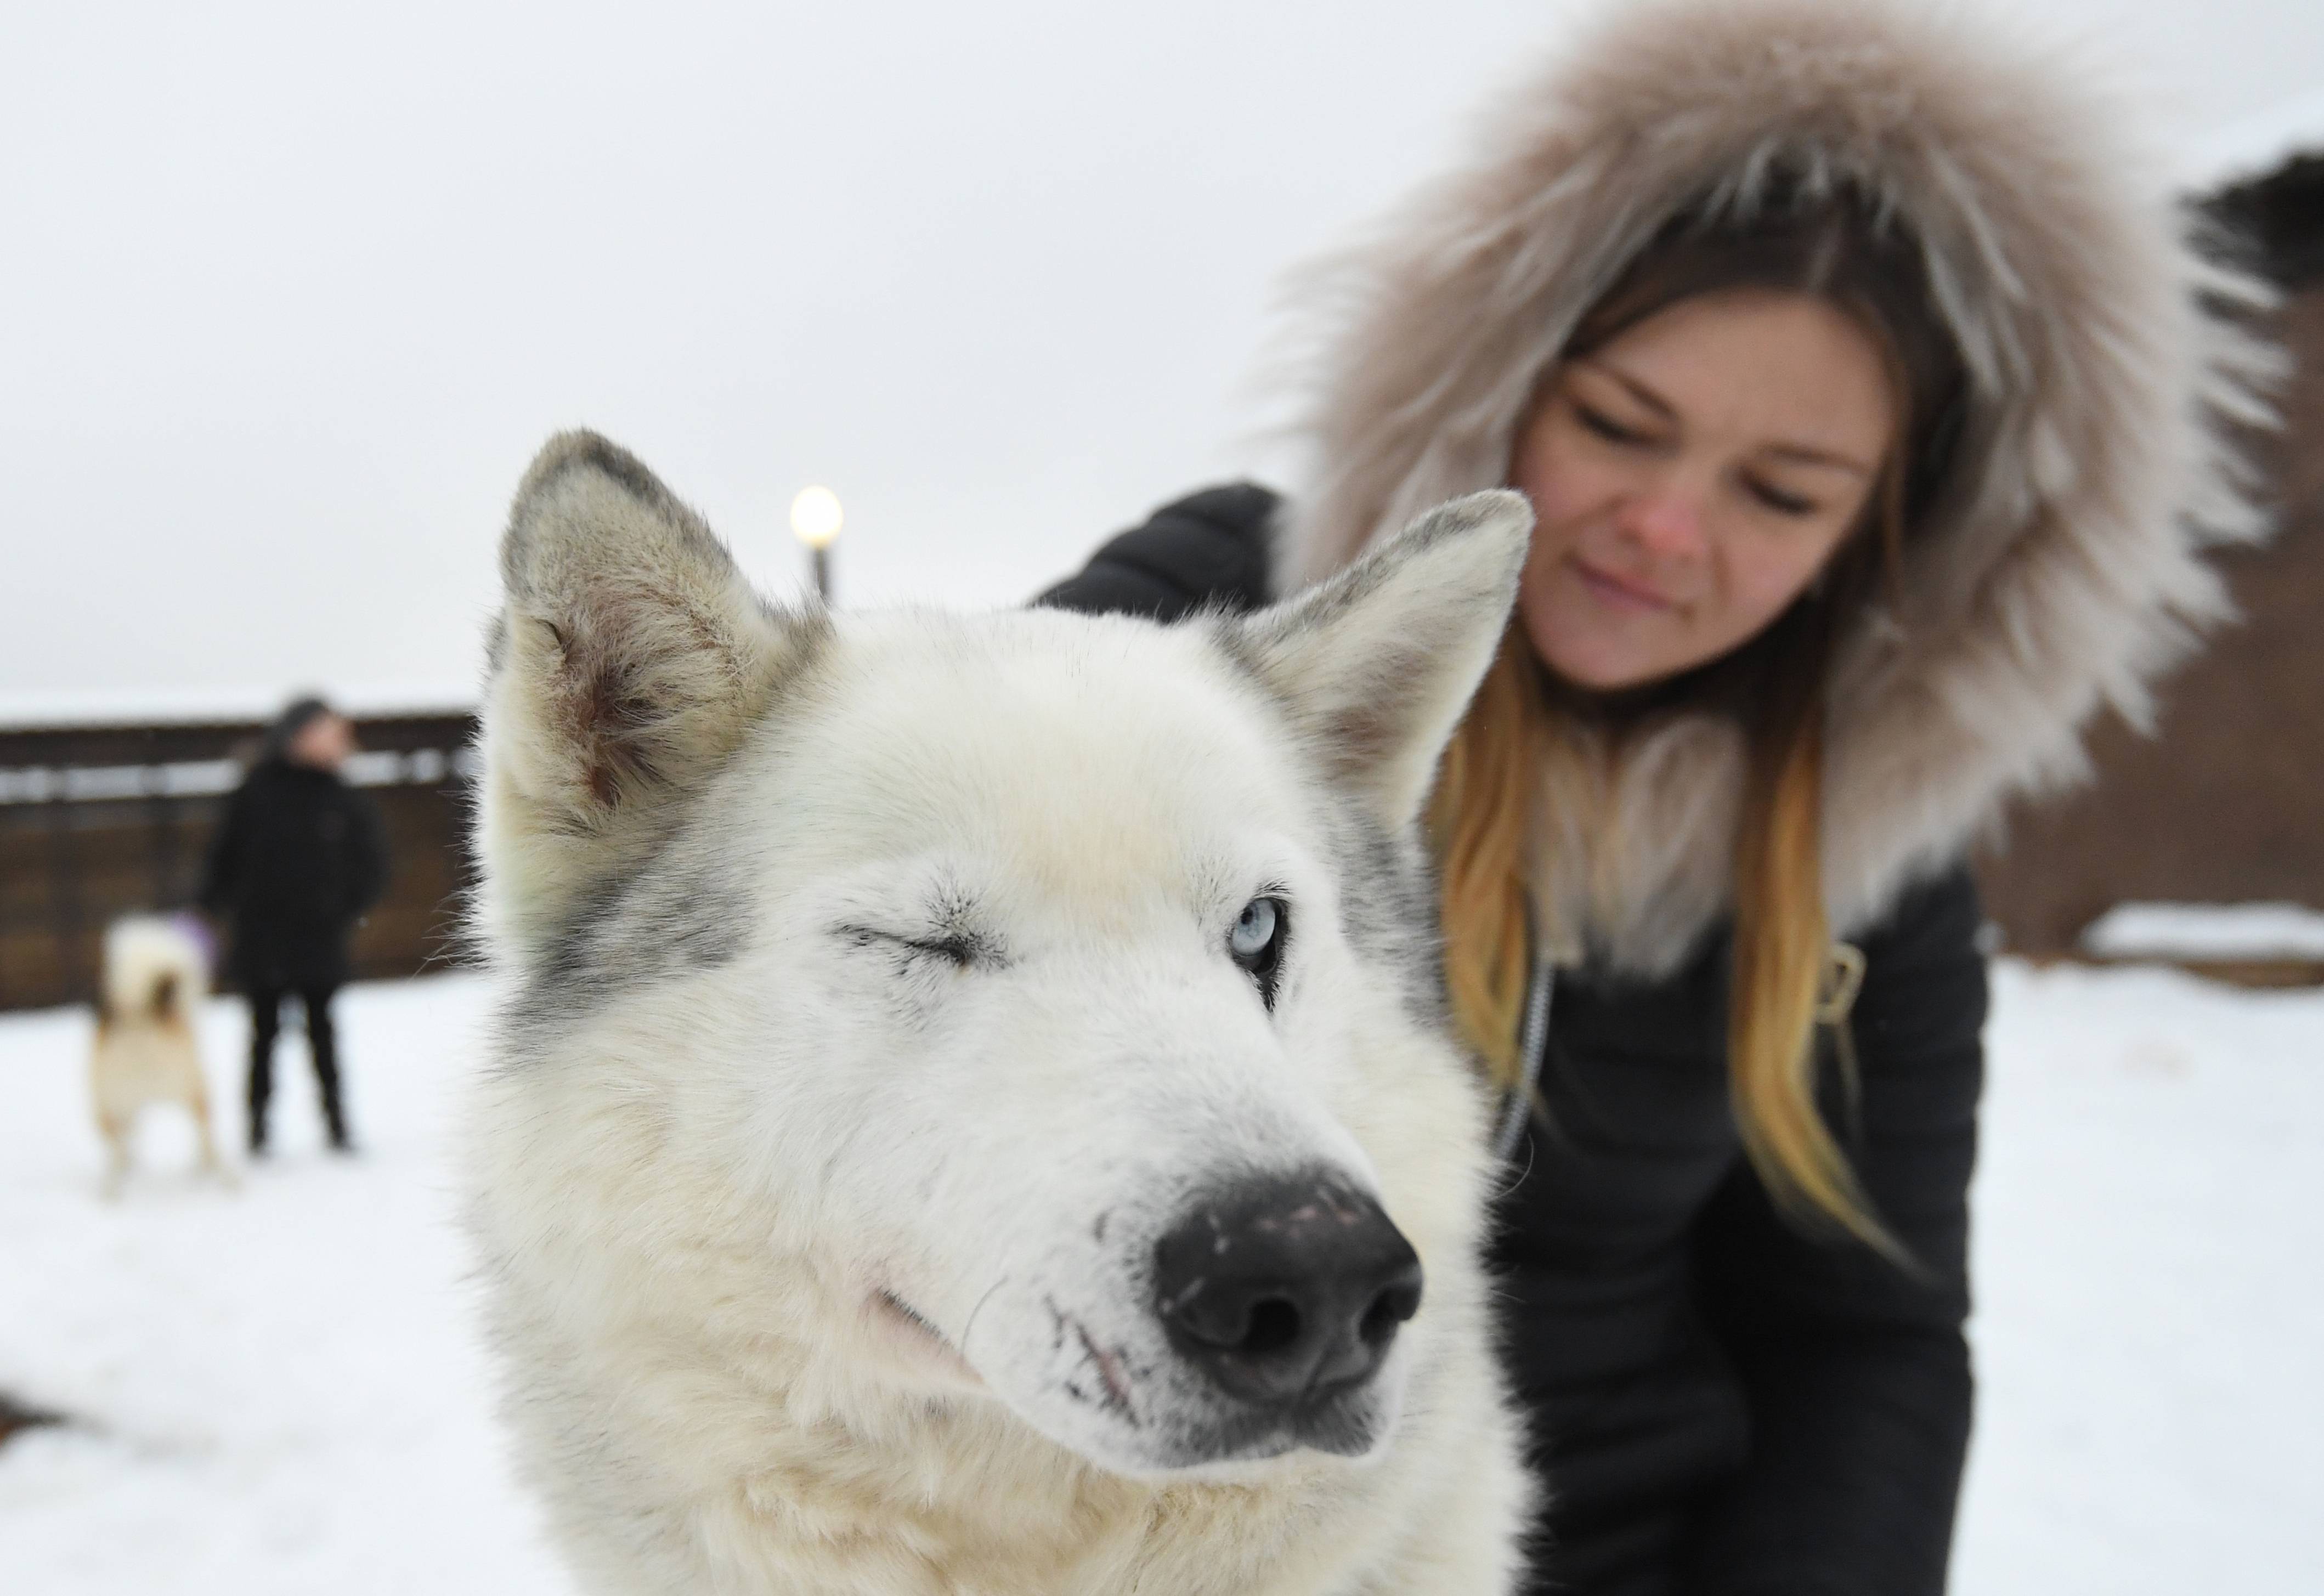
(1865, 392)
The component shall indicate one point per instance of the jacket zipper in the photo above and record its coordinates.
(1533, 1044)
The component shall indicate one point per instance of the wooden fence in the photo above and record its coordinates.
(2225, 804)
(100, 821)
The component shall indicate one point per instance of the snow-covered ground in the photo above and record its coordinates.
(2203, 931)
(2149, 1277)
(282, 1387)
(281, 1391)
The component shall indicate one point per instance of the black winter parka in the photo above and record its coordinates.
(1721, 1404)
(295, 864)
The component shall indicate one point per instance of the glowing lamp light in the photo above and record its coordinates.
(816, 517)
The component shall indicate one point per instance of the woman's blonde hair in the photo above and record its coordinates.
(1514, 751)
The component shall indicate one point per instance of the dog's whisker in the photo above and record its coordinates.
(961, 1346)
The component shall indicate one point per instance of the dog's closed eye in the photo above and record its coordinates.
(962, 949)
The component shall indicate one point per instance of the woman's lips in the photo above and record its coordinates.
(1615, 593)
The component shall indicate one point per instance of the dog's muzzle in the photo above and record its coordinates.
(1286, 1293)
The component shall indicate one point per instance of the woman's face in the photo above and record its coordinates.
(323, 742)
(1690, 477)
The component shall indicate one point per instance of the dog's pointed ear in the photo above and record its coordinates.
(629, 660)
(1378, 664)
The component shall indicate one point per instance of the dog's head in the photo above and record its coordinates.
(1056, 993)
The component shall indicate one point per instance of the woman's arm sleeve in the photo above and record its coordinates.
(1207, 547)
(1856, 1371)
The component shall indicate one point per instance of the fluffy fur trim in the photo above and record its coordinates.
(2063, 570)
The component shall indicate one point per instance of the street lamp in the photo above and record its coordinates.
(814, 521)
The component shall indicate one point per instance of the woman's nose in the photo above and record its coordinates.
(1667, 520)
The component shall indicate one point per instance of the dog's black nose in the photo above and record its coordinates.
(1286, 1289)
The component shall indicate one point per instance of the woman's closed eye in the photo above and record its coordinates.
(1777, 500)
(1606, 427)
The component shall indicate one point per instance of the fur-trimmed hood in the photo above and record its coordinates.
(2063, 567)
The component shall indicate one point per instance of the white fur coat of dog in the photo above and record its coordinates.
(886, 997)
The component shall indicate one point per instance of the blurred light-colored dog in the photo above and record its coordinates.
(156, 972)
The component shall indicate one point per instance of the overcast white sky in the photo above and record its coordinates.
(288, 294)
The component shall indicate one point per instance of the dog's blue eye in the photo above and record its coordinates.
(1256, 929)
(1256, 942)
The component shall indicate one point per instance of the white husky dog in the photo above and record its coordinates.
(971, 1110)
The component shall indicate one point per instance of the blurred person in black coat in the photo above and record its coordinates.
(298, 860)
